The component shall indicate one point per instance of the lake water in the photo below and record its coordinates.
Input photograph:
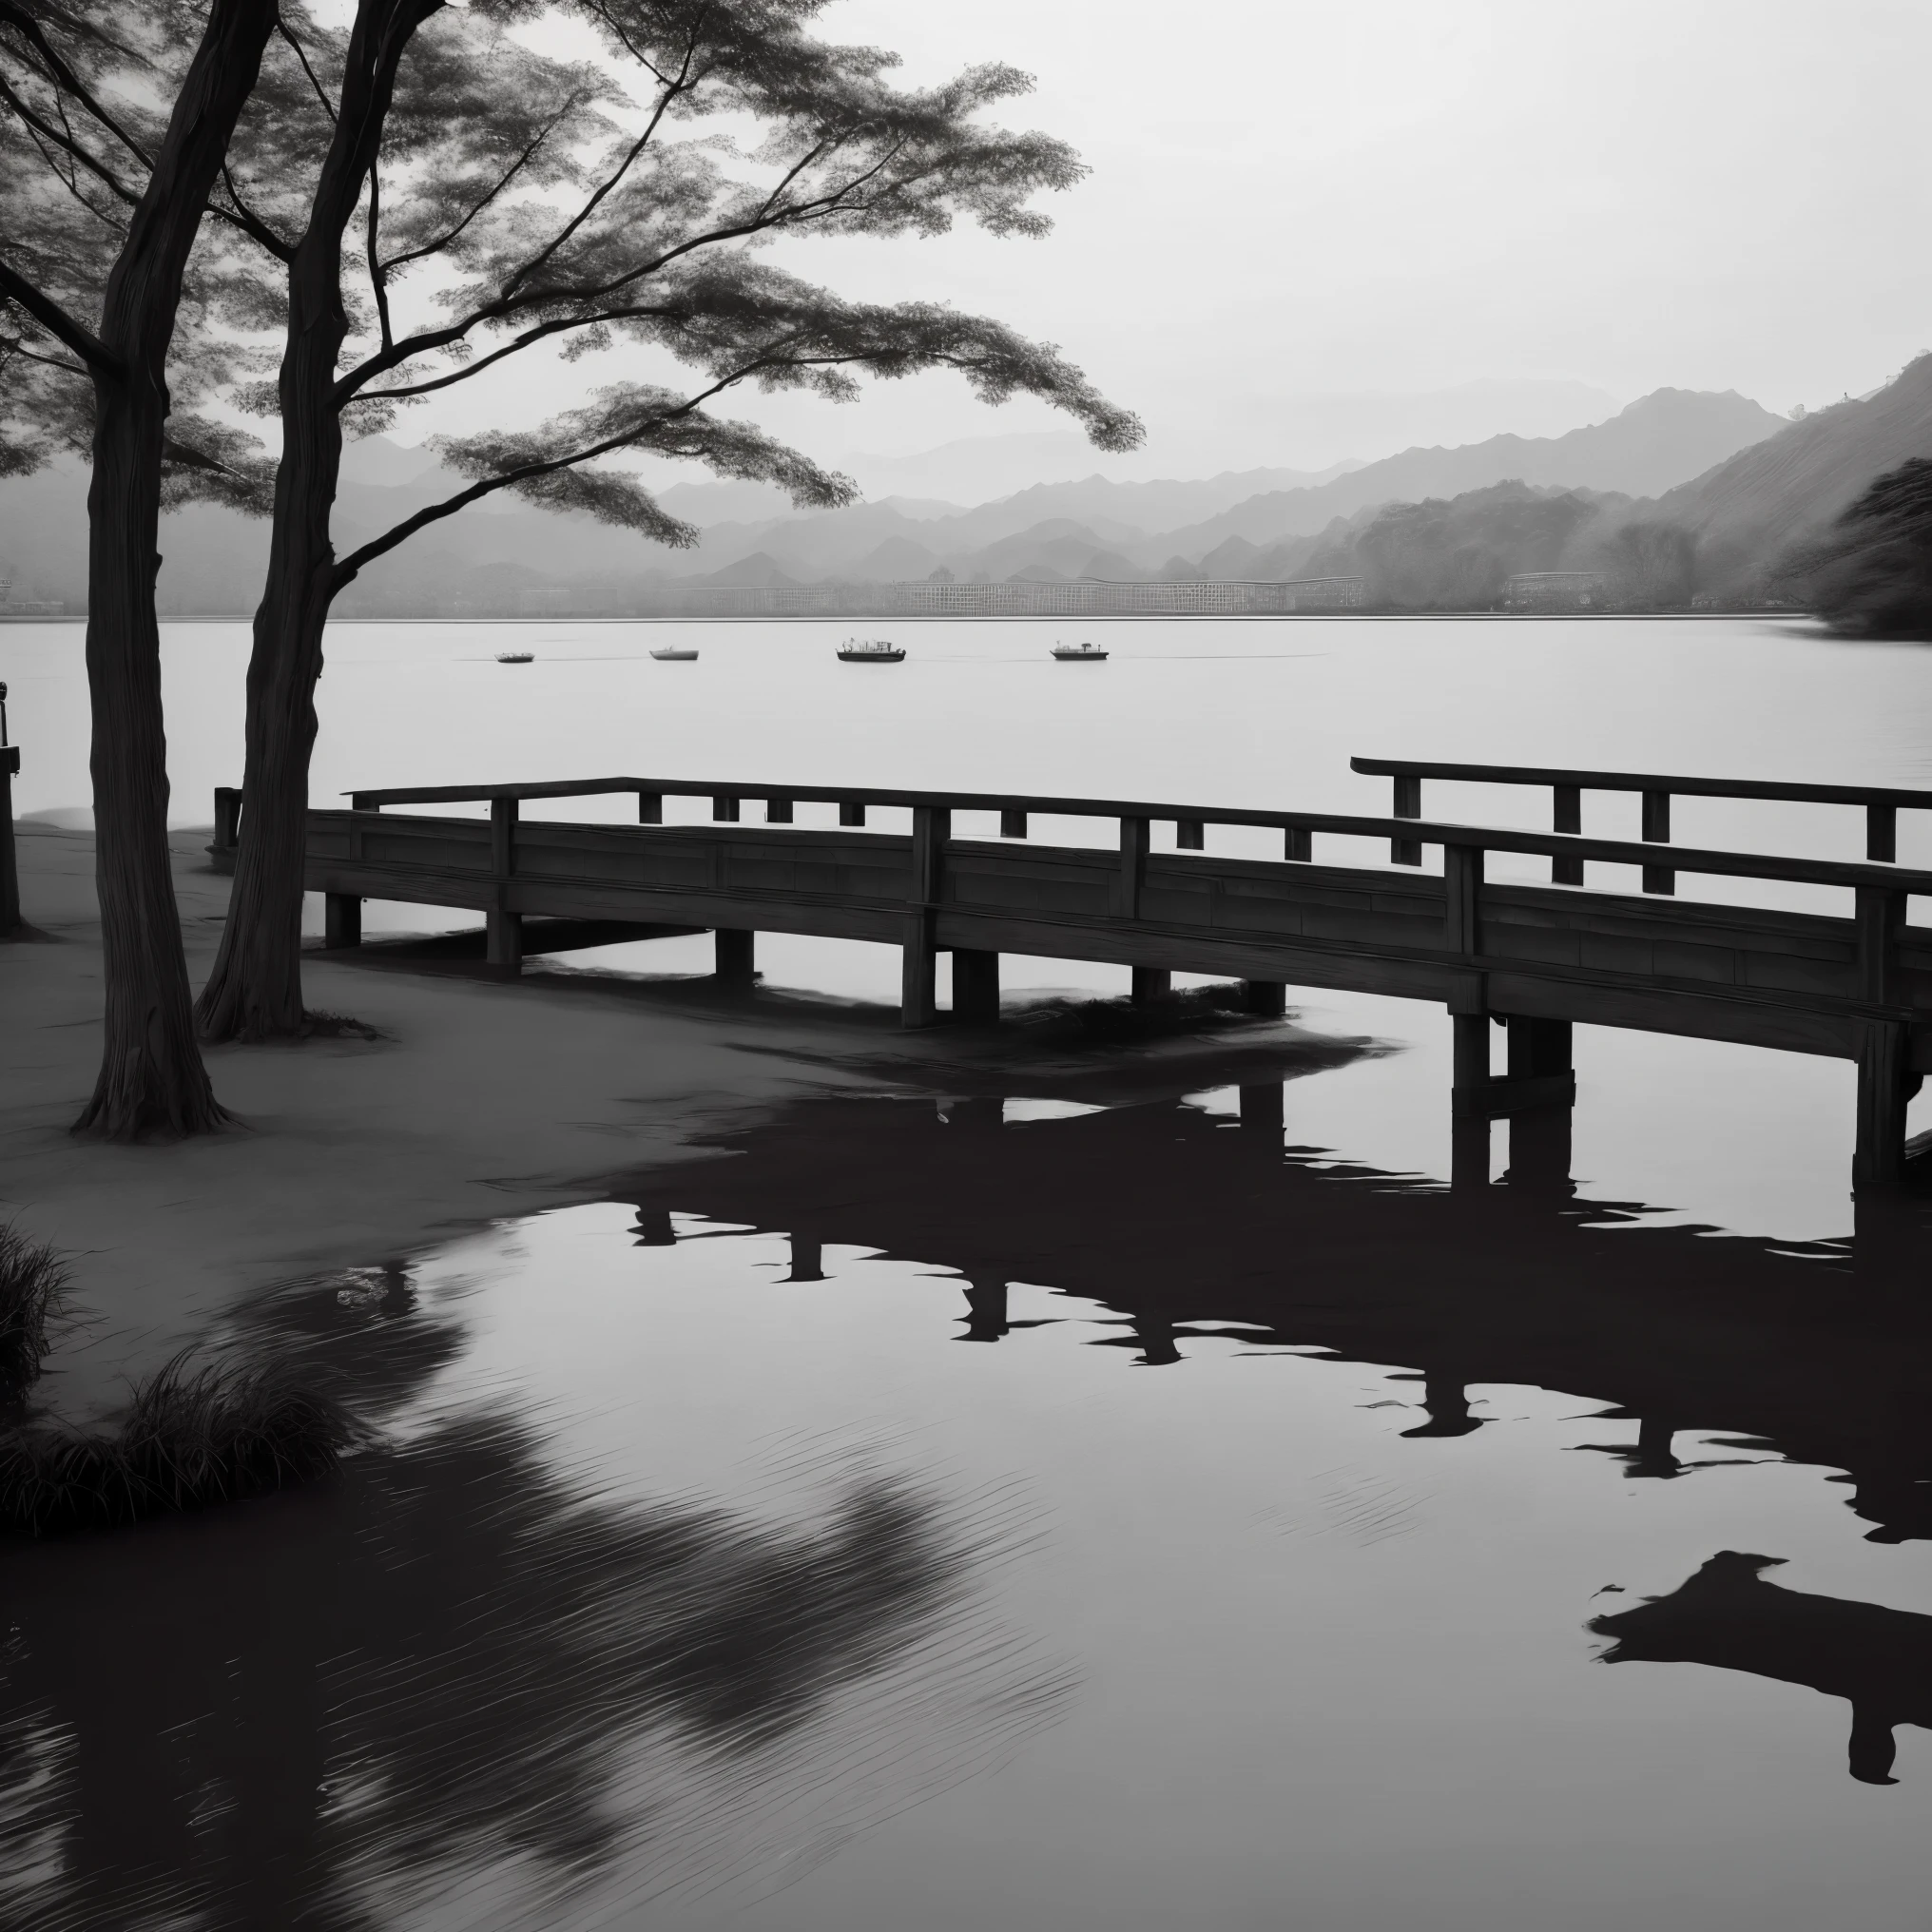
(1025, 1506)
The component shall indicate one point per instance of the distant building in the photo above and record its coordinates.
(1325, 593)
(1553, 590)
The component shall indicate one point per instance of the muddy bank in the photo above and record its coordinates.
(478, 1099)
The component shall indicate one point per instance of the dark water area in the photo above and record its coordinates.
(1090, 1507)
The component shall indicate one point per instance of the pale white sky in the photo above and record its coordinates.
(1292, 200)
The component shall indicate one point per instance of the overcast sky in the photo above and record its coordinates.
(1294, 202)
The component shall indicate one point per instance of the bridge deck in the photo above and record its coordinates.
(1857, 987)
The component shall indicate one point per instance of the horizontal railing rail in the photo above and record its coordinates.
(1014, 809)
(1880, 804)
(1645, 781)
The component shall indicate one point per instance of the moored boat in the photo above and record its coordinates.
(516, 657)
(870, 650)
(675, 653)
(1079, 653)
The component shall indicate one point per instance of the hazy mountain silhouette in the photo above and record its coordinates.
(1749, 511)
(502, 558)
(1662, 439)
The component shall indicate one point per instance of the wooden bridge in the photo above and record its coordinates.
(1539, 958)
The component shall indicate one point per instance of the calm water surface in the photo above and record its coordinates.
(1041, 1505)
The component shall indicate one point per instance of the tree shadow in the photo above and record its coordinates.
(1727, 1616)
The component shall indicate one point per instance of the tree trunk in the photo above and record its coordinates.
(151, 1078)
(151, 1074)
(255, 990)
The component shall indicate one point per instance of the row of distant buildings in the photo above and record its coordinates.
(14, 607)
(1528, 591)
(1081, 597)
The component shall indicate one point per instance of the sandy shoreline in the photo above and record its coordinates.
(483, 1099)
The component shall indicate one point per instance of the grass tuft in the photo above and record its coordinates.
(319, 1024)
(33, 1281)
(1119, 1022)
(192, 1437)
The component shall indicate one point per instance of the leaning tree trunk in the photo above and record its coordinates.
(152, 1079)
(255, 990)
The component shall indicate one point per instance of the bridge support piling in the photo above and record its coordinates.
(1468, 1152)
(736, 958)
(503, 940)
(341, 921)
(976, 986)
(1265, 998)
(1885, 1085)
(919, 973)
(1538, 1048)
(1150, 983)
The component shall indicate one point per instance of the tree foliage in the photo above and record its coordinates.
(87, 89)
(1872, 575)
(448, 195)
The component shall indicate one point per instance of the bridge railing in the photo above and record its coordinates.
(1880, 803)
(1404, 830)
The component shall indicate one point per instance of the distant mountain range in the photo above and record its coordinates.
(1736, 482)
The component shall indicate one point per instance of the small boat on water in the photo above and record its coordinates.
(870, 650)
(1079, 653)
(675, 653)
(516, 657)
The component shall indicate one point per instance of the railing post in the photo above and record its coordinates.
(1013, 824)
(725, 810)
(1150, 983)
(9, 862)
(920, 957)
(1567, 816)
(503, 938)
(1133, 858)
(1298, 845)
(1190, 835)
(1882, 833)
(777, 811)
(1657, 832)
(1462, 898)
(851, 814)
(1408, 804)
(650, 808)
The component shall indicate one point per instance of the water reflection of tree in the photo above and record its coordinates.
(307, 1710)
(1728, 1616)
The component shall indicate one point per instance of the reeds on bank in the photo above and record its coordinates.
(32, 1282)
(191, 1437)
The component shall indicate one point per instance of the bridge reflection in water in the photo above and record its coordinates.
(1187, 1221)
(1190, 1223)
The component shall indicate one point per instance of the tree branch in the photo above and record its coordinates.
(29, 29)
(66, 141)
(281, 27)
(242, 217)
(442, 241)
(672, 89)
(57, 323)
(375, 270)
